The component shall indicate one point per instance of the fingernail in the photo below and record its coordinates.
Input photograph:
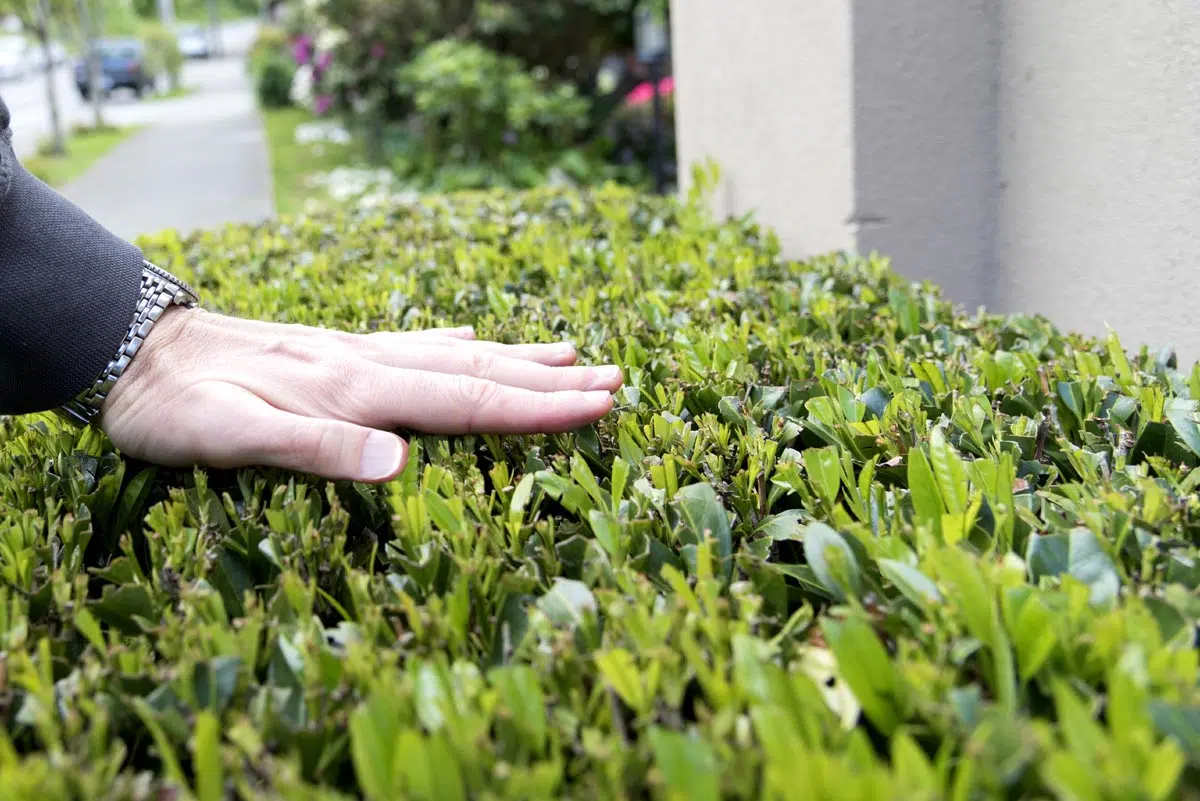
(567, 348)
(604, 376)
(382, 456)
(598, 395)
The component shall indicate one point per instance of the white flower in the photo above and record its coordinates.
(330, 38)
(820, 665)
(314, 132)
(557, 177)
(347, 183)
(302, 86)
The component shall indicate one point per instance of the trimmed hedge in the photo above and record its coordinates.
(839, 541)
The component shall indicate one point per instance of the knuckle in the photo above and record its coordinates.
(348, 339)
(341, 372)
(320, 448)
(374, 337)
(474, 393)
(345, 389)
(310, 447)
(480, 364)
(305, 351)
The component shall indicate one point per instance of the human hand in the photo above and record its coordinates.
(217, 391)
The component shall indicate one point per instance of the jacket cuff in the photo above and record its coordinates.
(68, 293)
(7, 158)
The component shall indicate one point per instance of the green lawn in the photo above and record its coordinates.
(293, 163)
(85, 146)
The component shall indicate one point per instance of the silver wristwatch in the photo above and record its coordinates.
(160, 290)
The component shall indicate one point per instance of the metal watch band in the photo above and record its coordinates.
(160, 290)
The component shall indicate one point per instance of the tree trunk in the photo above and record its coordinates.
(214, 26)
(58, 144)
(91, 36)
(166, 12)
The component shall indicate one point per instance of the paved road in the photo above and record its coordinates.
(201, 161)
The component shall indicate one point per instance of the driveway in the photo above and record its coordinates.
(201, 161)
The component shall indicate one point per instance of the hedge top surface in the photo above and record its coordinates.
(838, 541)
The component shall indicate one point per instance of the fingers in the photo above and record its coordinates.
(331, 449)
(462, 332)
(553, 354)
(494, 365)
(458, 333)
(216, 424)
(381, 345)
(441, 403)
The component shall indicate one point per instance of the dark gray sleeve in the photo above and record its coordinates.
(68, 290)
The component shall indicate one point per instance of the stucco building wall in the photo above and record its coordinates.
(1029, 155)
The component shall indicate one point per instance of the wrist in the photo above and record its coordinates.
(161, 295)
(159, 354)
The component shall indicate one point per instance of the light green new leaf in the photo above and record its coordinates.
(1071, 778)
(608, 533)
(912, 583)
(688, 765)
(1164, 768)
(522, 694)
(373, 730)
(520, 498)
(950, 473)
(427, 768)
(1033, 634)
(923, 490)
(824, 472)
(864, 664)
(621, 672)
(210, 774)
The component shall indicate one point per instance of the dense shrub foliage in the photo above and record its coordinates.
(272, 68)
(371, 40)
(838, 541)
(486, 121)
(475, 94)
(163, 56)
(273, 76)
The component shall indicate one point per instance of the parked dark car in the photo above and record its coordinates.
(122, 66)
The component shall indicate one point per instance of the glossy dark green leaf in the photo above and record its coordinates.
(1182, 415)
(1080, 554)
(703, 517)
(787, 525)
(832, 561)
(568, 603)
(1181, 724)
(121, 607)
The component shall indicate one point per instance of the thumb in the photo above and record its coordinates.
(331, 449)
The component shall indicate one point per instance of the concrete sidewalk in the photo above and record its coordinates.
(201, 162)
